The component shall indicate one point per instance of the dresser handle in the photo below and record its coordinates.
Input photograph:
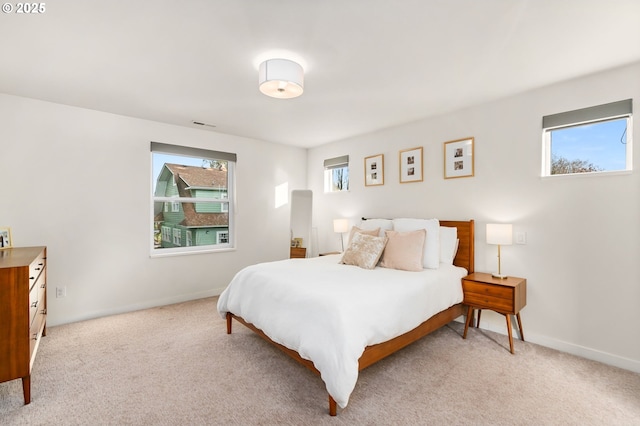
(37, 269)
(34, 304)
(40, 264)
(32, 278)
(43, 285)
(35, 336)
(44, 311)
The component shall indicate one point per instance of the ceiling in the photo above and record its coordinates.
(369, 64)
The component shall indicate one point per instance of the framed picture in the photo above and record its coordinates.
(374, 170)
(458, 158)
(5, 238)
(411, 165)
(296, 242)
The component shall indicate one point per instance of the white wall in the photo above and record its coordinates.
(582, 254)
(78, 181)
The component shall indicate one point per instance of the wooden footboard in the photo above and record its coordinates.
(371, 354)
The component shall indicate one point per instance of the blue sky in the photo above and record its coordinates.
(598, 143)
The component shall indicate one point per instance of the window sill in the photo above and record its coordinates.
(190, 252)
(589, 174)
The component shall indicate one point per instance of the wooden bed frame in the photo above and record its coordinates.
(372, 354)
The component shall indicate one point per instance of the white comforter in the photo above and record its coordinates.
(329, 312)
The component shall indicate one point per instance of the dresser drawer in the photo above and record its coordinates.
(37, 267)
(35, 331)
(37, 297)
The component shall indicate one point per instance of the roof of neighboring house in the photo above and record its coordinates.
(191, 176)
(199, 177)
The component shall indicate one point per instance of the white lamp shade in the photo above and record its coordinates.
(340, 225)
(500, 234)
(281, 78)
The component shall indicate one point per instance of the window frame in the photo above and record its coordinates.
(583, 117)
(330, 166)
(229, 201)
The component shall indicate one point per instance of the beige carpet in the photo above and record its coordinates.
(175, 365)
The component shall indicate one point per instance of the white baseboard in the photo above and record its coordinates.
(139, 306)
(570, 348)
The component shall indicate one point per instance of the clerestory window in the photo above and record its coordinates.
(336, 174)
(590, 140)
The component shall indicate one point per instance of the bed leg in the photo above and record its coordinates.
(333, 409)
(229, 318)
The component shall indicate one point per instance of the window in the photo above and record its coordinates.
(590, 140)
(336, 174)
(191, 199)
(223, 237)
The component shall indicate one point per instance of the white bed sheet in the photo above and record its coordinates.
(329, 312)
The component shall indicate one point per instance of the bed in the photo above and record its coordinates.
(338, 319)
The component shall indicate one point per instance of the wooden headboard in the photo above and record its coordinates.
(466, 234)
(465, 255)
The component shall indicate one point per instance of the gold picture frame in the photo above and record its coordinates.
(411, 165)
(374, 170)
(5, 238)
(458, 158)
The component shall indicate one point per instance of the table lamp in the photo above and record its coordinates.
(499, 234)
(340, 226)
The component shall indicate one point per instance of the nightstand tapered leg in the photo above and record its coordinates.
(466, 323)
(510, 333)
(478, 322)
(520, 326)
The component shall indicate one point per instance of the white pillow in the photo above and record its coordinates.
(431, 258)
(382, 224)
(448, 244)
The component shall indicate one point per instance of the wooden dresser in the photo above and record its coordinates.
(23, 312)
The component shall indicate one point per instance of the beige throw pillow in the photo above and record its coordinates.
(364, 251)
(354, 229)
(404, 250)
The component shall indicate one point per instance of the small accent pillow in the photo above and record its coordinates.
(404, 250)
(364, 251)
(354, 230)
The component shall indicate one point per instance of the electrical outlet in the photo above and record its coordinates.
(61, 292)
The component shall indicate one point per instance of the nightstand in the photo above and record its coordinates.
(298, 253)
(507, 296)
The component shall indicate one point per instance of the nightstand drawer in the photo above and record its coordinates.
(298, 253)
(489, 302)
(481, 289)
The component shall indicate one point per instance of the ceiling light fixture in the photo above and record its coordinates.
(281, 78)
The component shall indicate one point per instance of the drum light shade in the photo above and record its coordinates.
(281, 78)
